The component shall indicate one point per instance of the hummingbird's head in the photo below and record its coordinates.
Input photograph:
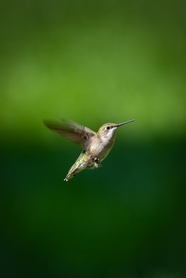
(108, 130)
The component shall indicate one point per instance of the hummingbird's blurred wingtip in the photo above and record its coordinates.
(46, 122)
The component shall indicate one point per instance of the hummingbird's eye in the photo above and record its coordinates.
(108, 127)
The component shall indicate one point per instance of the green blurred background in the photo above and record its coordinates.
(93, 62)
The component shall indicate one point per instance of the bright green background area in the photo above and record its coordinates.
(93, 62)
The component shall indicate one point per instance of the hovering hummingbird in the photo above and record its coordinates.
(96, 146)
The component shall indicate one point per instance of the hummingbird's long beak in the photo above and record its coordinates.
(125, 122)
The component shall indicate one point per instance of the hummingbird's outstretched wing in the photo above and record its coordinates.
(72, 131)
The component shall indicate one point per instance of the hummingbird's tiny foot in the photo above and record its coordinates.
(96, 160)
(93, 163)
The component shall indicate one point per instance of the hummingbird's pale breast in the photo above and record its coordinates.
(100, 146)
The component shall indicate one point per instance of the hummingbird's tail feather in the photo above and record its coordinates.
(80, 164)
(68, 177)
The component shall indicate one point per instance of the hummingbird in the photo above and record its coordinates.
(96, 145)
